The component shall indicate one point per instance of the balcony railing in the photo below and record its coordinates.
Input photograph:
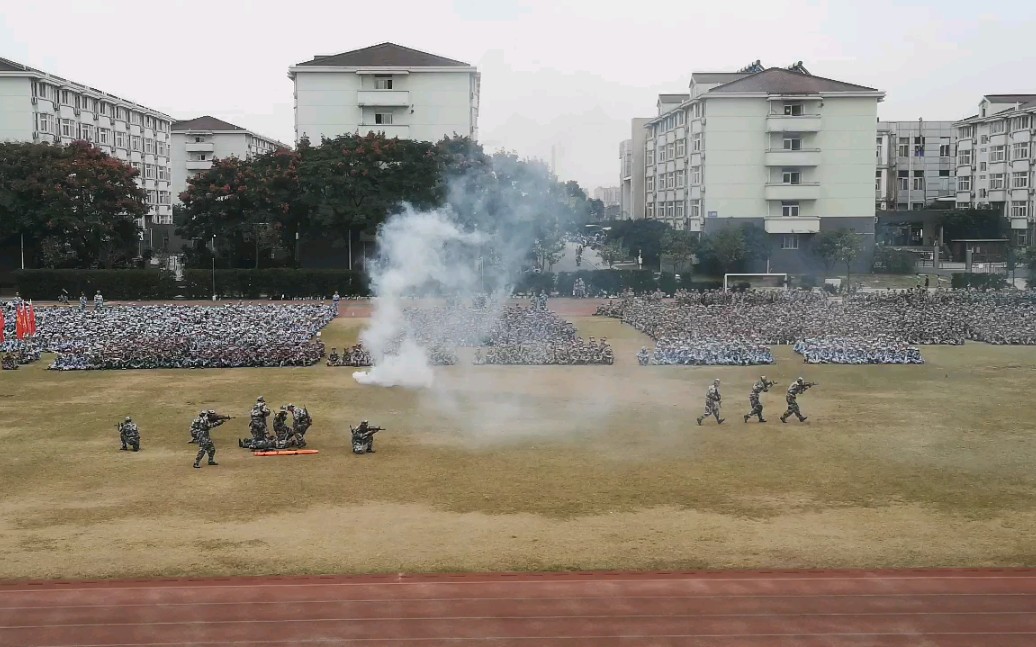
(779, 191)
(792, 123)
(792, 224)
(791, 157)
(396, 98)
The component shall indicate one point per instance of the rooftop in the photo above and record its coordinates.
(384, 55)
(204, 123)
(777, 80)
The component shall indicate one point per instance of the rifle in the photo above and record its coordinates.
(809, 384)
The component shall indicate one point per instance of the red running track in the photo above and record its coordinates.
(916, 608)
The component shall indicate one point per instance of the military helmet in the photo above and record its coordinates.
(291, 406)
(201, 413)
(800, 380)
(762, 378)
(260, 399)
(128, 419)
(364, 422)
(716, 381)
(284, 408)
(210, 412)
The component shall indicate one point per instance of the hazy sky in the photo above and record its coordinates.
(564, 73)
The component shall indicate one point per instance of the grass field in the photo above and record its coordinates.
(526, 468)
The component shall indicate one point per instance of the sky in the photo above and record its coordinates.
(567, 75)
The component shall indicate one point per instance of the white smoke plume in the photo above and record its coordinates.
(422, 254)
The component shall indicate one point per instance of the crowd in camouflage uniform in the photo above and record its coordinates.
(715, 327)
(15, 352)
(177, 336)
(355, 355)
(572, 352)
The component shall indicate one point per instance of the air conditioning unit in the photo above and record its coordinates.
(34, 101)
(35, 135)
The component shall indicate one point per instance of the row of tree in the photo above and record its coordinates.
(74, 205)
(348, 185)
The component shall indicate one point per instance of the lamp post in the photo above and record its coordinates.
(257, 225)
(23, 251)
(213, 267)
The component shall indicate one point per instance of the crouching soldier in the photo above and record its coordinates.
(129, 434)
(363, 438)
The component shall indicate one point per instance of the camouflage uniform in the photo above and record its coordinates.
(197, 425)
(280, 425)
(300, 424)
(205, 445)
(129, 434)
(712, 403)
(762, 386)
(258, 419)
(797, 387)
(363, 438)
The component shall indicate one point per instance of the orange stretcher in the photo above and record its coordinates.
(286, 452)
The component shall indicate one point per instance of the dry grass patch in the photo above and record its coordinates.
(526, 467)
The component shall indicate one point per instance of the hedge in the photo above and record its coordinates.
(894, 261)
(611, 282)
(978, 281)
(130, 285)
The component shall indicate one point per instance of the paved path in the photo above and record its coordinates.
(917, 608)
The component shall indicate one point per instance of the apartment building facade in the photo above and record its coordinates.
(916, 166)
(631, 171)
(39, 107)
(609, 195)
(995, 167)
(780, 148)
(386, 88)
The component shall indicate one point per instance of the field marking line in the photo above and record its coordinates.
(269, 584)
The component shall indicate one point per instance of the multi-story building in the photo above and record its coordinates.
(609, 195)
(995, 167)
(196, 142)
(915, 164)
(631, 172)
(39, 107)
(781, 148)
(385, 88)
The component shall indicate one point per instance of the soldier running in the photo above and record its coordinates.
(762, 386)
(712, 403)
(129, 434)
(797, 387)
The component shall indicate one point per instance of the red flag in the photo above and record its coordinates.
(32, 319)
(2, 324)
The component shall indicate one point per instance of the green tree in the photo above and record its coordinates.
(680, 246)
(838, 246)
(727, 246)
(77, 203)
(613, 252)
(642, 236)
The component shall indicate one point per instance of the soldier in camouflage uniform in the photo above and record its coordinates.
(258, 419)
(129, 434)
(712, 403)
(762, 386)
(196, 426)
(797, 387)
(280, 425)
(205, 444)
(299, 425)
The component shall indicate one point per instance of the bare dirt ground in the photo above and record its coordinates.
(515, 468)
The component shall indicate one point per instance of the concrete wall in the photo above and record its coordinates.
(17, 116)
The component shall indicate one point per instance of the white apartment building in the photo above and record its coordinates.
(916, 164)
(39, 107)
(197, 142)
(386, 88)
(609, 195)
(631, 171)
(791, 152)
(995, 160)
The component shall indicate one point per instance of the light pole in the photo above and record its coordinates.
(23, 251)
(213, 267)
(257, 225)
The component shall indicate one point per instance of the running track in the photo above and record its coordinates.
(916, 608)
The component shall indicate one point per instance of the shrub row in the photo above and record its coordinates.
(894, 261)
(611, 282)
(125, 285)
(978, 281)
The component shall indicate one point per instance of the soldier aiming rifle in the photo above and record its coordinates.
(797, 388)
(363, 437)
(209, 419)
(129, 434)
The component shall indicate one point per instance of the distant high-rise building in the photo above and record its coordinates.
(631, 171)
(610, 196)
(386, 88)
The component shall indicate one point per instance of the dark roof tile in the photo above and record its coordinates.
(781, 81)
(384, 55)
(204, 123)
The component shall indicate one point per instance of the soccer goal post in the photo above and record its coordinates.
(759, 281)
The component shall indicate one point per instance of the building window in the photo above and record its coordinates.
(1020, 151)
(964, 157)
(964, 132)
(149, 145)
(670, 151)
(679, 210)
(1019, 210)
(984, 139)
(1020, 123)
(695, 175)
(670, 209)
(163, 197)
(982, 166)
(120, 139)
(794, 143)
(696, 209)
(944, 147)
(149, 171)
(944, 172)
(661, 155)
(996, 181)
(791, 176)
(152, 197)
(68, 98)
(918, 184)
(997, 127)
(983, 194)
(68, 128)
(793, 109)
(680, 118)
(681, 148)
(790, 241)
(651, 210)
(904, 183)
(964, 183)
(45, 122)
(1020, 180)
(86, 132)
(904, 147)
(383, 118)
(917, 206)
(135, 118)
(918, 146)
(680, 179)
(789, 209)
(696, 142)
(650, 183)
(963, 205)
(135, 143)
(1021, 238)
(383, 83)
